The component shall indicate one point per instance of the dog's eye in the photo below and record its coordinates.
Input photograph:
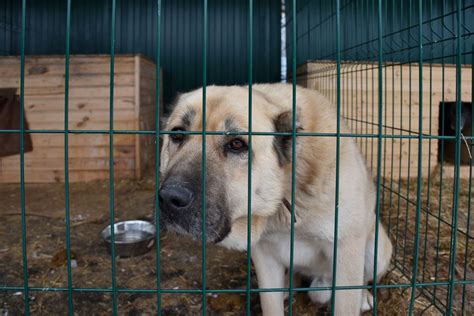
(177, 138)
(237, 145)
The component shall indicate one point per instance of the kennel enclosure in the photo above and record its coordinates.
(385, 52)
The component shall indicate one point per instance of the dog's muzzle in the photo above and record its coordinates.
(176, 198)
(181, 211)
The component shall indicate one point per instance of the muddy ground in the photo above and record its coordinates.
(181, 258)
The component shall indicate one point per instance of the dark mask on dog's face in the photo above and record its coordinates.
(226, 163)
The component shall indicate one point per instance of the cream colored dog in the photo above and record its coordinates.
(227, 156)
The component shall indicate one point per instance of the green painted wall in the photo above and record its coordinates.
(182, 22)
(316, 29)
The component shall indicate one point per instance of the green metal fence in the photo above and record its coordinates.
(136, 25)
(392, 50)
(393, 36)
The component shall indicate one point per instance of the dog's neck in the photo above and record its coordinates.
(287, 205)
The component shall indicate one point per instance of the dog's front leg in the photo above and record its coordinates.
(350, 271)
(270, 274)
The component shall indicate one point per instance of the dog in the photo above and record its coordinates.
(226, 197)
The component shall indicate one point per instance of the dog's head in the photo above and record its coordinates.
(226, 162)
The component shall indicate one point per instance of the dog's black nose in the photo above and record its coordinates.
(176, 197)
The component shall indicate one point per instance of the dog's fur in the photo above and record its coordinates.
(315, 207)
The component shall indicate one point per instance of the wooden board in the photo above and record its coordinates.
(88, 109)
(464, 172)
(360, 105)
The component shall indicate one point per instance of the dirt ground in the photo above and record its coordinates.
(181, 258)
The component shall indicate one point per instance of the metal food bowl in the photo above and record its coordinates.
(132, 238)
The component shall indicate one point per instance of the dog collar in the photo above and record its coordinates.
(288, 206)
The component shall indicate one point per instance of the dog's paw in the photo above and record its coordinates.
(296, 283)
(367, 303)
(286, 295)
(321, 297)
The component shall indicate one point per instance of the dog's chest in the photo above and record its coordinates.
(308, 254)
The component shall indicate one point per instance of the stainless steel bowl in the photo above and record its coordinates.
(132, 238)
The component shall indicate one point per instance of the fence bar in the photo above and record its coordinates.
(442, 143)
(203, 161)
(379, 151)
(371, 123)
(457, 163)
(157, 157)
(111, 159)
(26, 294)
(407, 210)
(303, 134)
(293, 158)
(66, 158)
(436, 216)
(393, 122)
(250, 155)
(469, 202)
(420, 160)
(385, 145)
(338, 145)
(243, 291)
(364, 142)
(428, 186)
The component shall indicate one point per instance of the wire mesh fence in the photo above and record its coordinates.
(423, 74)
(400, 75)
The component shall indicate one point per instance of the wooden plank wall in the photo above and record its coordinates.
(400, 107)
(146, 116)
(89, 100)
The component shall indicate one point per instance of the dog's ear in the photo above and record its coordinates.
(284, 124)
(163, 122)
(168, 108)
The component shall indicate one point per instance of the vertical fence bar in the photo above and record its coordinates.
(363, 71)
(430, 104)
(441, 143)
(338, 145)
(365, 119)
(457, 161)
(407, 209)
(369, 91)
(399, 184)
(111, 157)
(26, 294)
(385, 120)
(444, 30)
(420, 158)
(379, 149)
(392, 22)
(371, 123)
(249, 166)
(293, 158)
(203, 159)
(157, 155)
(469, 199)
(357, 69)
(66, 157)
